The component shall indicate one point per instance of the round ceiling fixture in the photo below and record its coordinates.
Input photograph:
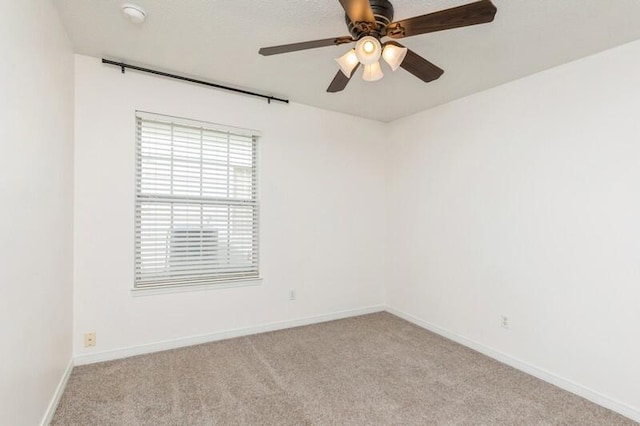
(134, 13)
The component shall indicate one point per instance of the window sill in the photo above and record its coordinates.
(150, 291)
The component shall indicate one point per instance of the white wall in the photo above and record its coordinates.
(321, 195)
(36, 184)
(524, 201)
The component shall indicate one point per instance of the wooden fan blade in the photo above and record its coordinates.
(340, 81)
(479, 12)
(358, 10)
(285, 48)
(419, 66)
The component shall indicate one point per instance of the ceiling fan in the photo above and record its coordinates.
(369, 21)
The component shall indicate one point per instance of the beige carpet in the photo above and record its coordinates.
(373, 369)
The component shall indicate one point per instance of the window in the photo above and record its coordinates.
(196, 203)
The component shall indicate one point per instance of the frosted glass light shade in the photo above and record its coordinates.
(394, 55)
(348, 62)
(372, 72)
(368, 50)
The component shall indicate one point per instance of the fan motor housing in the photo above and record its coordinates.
(382, 12)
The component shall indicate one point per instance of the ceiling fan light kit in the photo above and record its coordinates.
(368, 50)
(369, 21)
(348, 62)
(372, 72)
(394, 55)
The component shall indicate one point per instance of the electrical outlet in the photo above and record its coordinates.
(292, 294)
(89, 339)
(504, 321)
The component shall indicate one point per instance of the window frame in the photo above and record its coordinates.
(213, 282)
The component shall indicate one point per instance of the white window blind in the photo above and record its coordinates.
(196, 203)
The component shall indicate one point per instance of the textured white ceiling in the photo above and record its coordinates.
(218, 40)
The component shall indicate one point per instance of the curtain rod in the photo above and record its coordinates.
(123, 66)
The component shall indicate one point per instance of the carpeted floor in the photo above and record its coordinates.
(374, 369)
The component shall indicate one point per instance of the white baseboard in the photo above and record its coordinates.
(540, 373)
(55, 400)
(84, 359)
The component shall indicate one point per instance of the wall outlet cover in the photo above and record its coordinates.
(89, 339)
(504, 321)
